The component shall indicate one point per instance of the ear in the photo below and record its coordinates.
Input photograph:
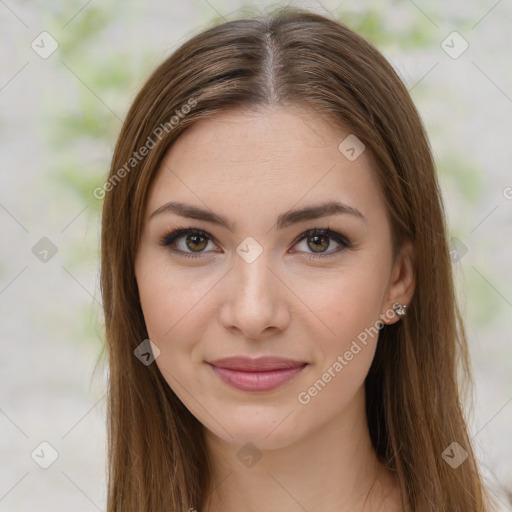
(401, 285)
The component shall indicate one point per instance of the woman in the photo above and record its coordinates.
(281, 323)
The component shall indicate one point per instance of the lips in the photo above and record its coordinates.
(261, 374)
(260, 364)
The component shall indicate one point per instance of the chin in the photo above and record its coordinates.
(269, 434)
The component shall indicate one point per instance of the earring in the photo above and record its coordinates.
(399, 309)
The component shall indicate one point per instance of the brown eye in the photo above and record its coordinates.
(319, 243)
(190, 243)
(196, 242)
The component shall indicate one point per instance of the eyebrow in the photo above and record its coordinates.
(284, 220)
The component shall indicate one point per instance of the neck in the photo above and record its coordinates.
(334, 469)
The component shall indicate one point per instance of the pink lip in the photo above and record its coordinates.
(261, 374)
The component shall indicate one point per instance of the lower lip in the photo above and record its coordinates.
(256, 381)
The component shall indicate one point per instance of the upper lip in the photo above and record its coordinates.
(260, 364)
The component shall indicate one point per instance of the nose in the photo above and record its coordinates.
(255, 305)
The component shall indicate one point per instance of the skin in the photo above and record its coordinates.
(250, 167)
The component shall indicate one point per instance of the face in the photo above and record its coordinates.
(254, 277)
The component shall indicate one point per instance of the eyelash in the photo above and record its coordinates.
(175, 235)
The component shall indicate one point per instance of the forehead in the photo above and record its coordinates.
(247, 159)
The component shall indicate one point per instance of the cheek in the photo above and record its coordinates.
(168, 311)
(176, 306)
(350, 303)
(351, 310)
(166, 295)
(156, 298)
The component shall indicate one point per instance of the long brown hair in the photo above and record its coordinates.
(157, 456)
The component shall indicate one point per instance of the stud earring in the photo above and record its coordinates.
(399, 309)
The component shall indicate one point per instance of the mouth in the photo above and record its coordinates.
(261, 374)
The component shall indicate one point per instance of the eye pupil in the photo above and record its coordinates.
(316, 238)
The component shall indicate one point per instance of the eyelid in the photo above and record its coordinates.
(171, 237)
